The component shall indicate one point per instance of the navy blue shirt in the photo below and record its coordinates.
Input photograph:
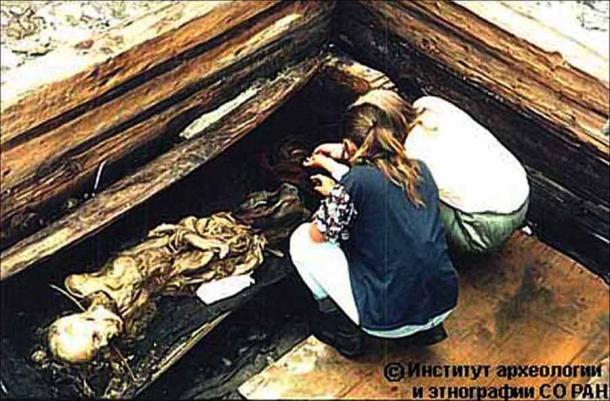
(397, 253)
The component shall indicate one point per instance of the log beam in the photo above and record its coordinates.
(547, 113)
(188, 59)
(85, 71)
(343, 74)
(244, 114)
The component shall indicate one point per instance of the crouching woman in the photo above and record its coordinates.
(375, 255)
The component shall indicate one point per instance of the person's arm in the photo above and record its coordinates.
(315, 234)
(323, 185)
(334, 150)
(333, 219)
(334, 168)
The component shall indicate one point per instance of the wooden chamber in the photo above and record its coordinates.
(139, 124)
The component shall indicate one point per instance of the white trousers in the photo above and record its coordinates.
(324, 269)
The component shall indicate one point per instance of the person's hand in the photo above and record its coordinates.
(318, 160)
(322, 184)
(332, 150)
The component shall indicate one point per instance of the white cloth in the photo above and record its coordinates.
(339, 171)
(324, 269)
(474, 172)
(216, 290)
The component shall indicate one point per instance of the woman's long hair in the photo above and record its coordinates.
(378, 124)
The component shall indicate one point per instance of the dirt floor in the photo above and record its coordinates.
(30, 29)
(588, 21)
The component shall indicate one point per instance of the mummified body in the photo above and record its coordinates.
(174, 258)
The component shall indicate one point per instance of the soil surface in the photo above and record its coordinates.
(587, 21)
(30, 29)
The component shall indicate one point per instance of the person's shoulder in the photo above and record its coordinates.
(364, 171)
(422, 165)
(424, 170)
(362, 175)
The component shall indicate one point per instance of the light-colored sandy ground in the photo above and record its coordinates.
(30, 29)
(584, 20)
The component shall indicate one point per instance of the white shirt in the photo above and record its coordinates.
(473, 171)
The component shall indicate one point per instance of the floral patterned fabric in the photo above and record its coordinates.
(335, 215)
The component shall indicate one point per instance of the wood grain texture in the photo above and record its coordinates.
(568, 173)
(78, 75)
(160, 173)
(44, 166)
(341, 73)
(510, 303)
(528, 77)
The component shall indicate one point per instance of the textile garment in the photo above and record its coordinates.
(479, 233)
(335, 215)
(174, 258)
(474, 172)
(397, 255)
(324, 269)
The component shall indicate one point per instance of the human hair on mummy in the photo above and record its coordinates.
(376, 126)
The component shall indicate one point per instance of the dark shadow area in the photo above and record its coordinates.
(29, 304)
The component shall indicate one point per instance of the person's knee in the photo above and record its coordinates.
(298, 242)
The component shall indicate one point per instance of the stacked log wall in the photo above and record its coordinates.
(545, 111)
(131, 90)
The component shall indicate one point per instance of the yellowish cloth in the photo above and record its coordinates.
(174, 258)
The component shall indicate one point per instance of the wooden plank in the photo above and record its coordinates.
(177, 352)
(51, 143)
(311, 370)
(345, 74)
(43, 166)
(528, 77)
(568, 172)
(509, 304)
(219, 133)
(80, 73)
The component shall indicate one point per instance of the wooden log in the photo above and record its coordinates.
(540, 114)
(340, 73)
(223, 129)
(198, 68)
(530, 78)
(78, 74)
(566, 221)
